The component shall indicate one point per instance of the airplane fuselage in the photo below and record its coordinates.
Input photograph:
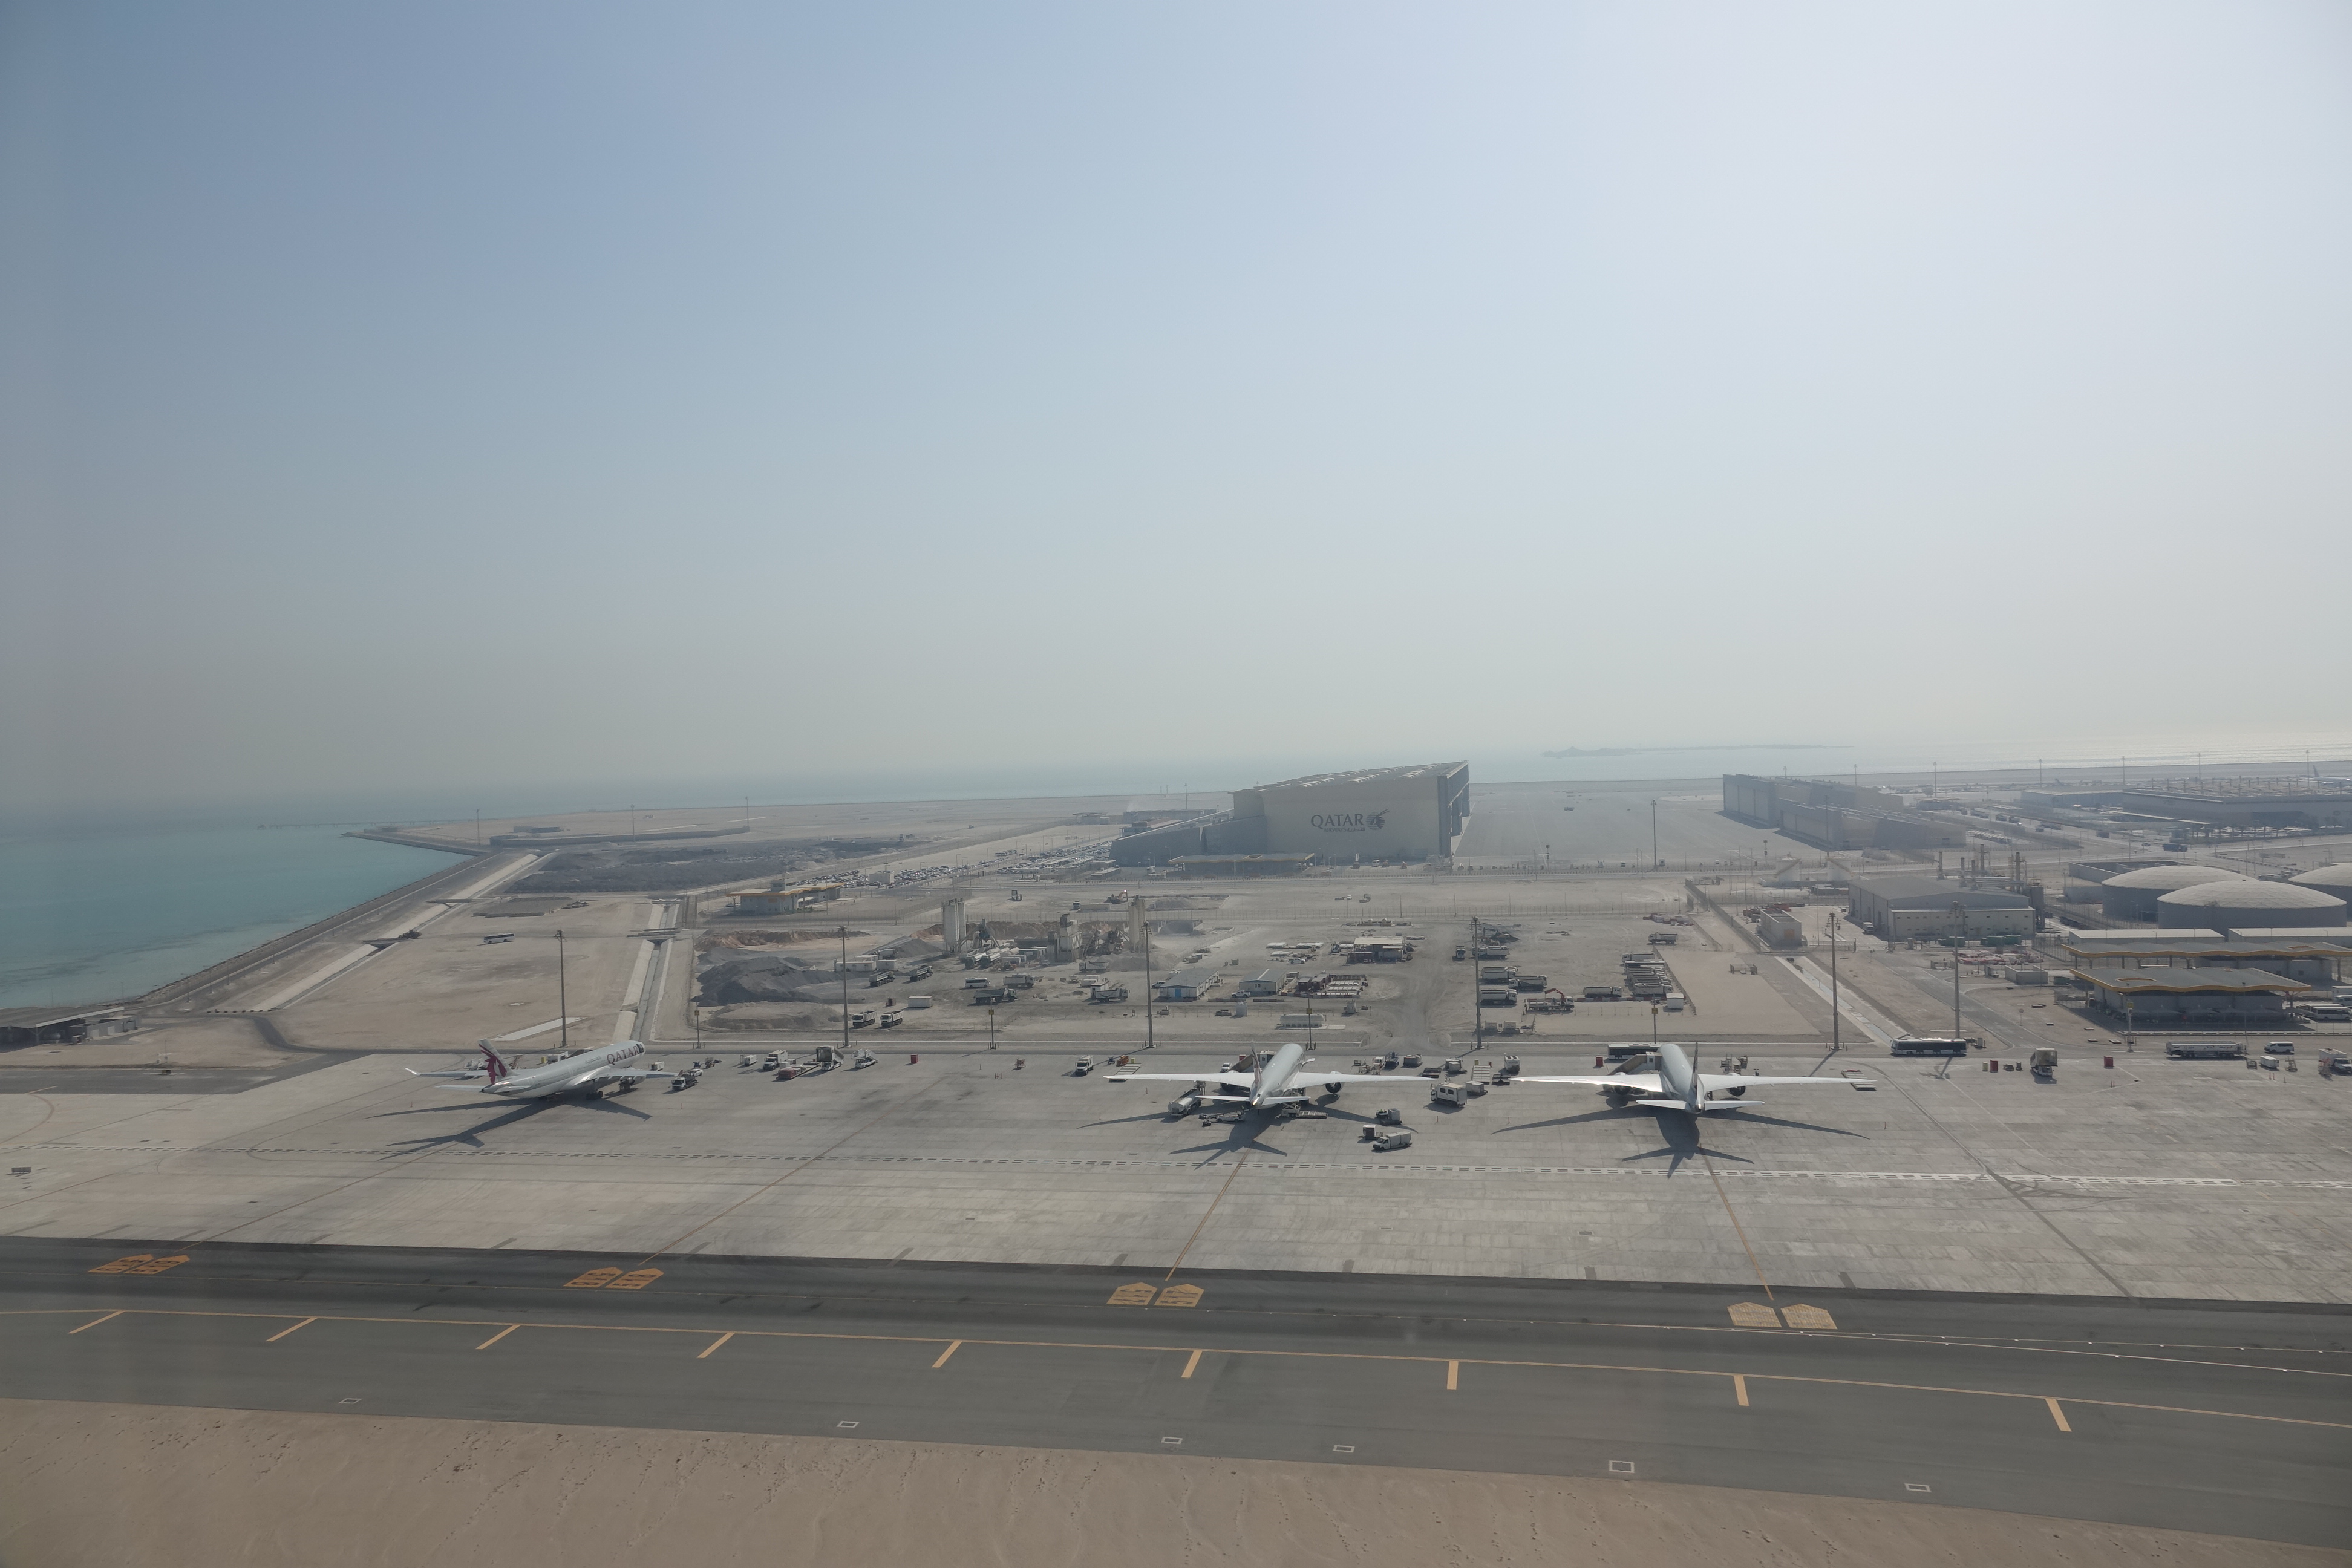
(572, 1072)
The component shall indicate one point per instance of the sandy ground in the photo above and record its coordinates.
(112, 1484)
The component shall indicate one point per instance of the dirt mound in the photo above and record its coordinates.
(759, 977)
(672, 867)
(760, 939)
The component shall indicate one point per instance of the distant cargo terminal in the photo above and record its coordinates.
(1401, 814)
(1834, 815)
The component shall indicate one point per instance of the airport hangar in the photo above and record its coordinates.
(1401, 813)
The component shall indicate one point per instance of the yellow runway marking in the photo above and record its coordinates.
(714, 1344)
(1808, 1318)
(1453, 1375)
(1191, 1361)
(283, 1333)
(1739, 1387)
(124, 1265)
(2058, 1415)
(1179, 1296)
(637, 1280)
(507, 1328)
(595, 1280)
(953, 1346)
(1754, 1315)
(1138, 1295)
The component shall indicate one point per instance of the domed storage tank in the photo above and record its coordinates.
(2132, 896)
(2241, 906)
(2336, 881)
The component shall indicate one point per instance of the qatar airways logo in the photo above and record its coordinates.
(1350, 822)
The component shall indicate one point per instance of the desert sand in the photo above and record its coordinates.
(87, 1484)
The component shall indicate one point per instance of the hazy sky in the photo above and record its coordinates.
(514, 394)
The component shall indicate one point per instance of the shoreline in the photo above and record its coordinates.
(189, 986)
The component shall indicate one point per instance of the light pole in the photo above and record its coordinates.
(1654, 833)
(1473, 983)
(1835, 1038)
(844, 996)
(562, 999)
(1960, 920)
(1141, 910)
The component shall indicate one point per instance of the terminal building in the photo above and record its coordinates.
(2242, 978)
(1402, 813)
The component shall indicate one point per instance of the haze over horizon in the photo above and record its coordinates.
(539, 400)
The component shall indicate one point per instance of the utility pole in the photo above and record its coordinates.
(1473, 983)
(562, 998)
(844, 996)
(1960, 913)
(1835, 1038)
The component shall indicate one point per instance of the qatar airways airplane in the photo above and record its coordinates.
(589, 1071)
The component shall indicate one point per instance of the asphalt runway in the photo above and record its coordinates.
(2219, 1418)
(19, 1078)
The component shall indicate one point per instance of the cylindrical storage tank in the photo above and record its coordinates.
(2132, 896)
(2248, 906)
(2336, 881)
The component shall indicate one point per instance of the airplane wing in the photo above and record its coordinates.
(615, 1075)
(460, 1072)
(1236, 1079)
(1717, 1081)
(1635, 1082)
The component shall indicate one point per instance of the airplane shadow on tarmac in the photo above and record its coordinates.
(472, 1135)
(1241, 1138)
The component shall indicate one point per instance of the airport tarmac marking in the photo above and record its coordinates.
(1754, 1315)
(714, 1344)
(507, 1328)
(860, 1129)
(141, 1263)
(1736, 1230)
(1453, 1375)
(1179, 1296)
(1192, 1361)
(283, 1333)
(1138, 1295)
(1740, 1388)
(953, 1346)
(2058, 1415)
(1197, 1229)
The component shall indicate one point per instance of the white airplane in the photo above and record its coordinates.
(1289, 1076)
(1678, 1086)
(590, 1070)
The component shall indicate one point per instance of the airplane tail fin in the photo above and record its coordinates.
(493, 1062)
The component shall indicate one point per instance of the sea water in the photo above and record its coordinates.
(95, 915)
